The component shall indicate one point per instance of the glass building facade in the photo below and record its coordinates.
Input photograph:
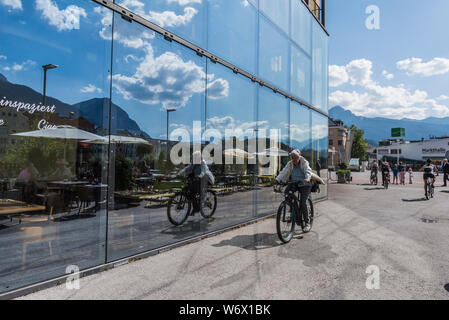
(95, 96)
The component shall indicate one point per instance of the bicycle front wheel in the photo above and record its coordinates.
(178, 209)
(209, 204)
(285, 222)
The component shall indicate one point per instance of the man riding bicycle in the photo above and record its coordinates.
(385, 169)
(298, 170)
(429, 172)
(374, 169)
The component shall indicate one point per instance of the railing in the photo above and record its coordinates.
(318, 9)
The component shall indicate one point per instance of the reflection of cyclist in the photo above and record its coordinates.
(429, 172)
(385, 169)
(199, 177)
(298, 170)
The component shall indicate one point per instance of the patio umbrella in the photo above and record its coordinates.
(273, 152)
(60, 132)
(238, 153)
(117, 139)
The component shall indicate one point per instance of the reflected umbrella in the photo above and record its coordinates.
(238, 153)
(117, 139)
(60, 132)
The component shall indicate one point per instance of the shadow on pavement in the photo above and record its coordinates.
(257, 241)
(445, 191)
(414, 200)
(376, 188)
(364, 184)
(446, 287)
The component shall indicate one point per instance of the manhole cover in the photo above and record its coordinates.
(427, 220)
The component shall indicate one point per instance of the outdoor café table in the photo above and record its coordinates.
(68, 189)
(97, 189)
(10, 207)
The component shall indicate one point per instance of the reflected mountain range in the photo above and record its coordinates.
(379, 128)
(95, 111)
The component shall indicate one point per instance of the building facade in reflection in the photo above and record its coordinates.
(87, 173)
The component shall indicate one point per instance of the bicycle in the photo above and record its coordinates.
(180, 206)
(288, 214)
(430, 188)
(373, 178)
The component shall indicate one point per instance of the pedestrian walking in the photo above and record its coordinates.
(395, 173)
(402, 176)
(410, 176)
(445, 168)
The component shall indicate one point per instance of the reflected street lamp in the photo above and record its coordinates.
(46, 67)
(168, 111)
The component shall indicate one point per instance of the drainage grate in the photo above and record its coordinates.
(426, 220)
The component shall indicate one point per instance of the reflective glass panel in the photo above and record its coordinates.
(273, 55)
(320, 68)
(185, 18)
(273, 137)
(230, 130)
(301, 25)
(233, 39)
(54, 89)
(300, 129)
(319, 161)
(300, 75)
(277, 11)
(158, 86)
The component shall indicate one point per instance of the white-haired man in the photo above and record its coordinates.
(298, 170)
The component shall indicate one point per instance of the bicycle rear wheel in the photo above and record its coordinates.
(209, 204)
(178, 209)
(285, 221)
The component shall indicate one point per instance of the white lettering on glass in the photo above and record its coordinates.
(26, 107)
(43, 124)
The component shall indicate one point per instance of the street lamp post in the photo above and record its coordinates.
(168, 111)
(46, 67)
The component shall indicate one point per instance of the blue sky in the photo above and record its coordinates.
(411, 46)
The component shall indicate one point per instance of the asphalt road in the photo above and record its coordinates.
(403, 236)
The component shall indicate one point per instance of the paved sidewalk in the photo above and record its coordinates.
(360, 225)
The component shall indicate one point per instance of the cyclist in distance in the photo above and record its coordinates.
(385, 169)
(374, 169)
(298, 170)
(429, 172)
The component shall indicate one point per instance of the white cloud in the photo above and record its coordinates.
(387, 75)
(171, 19)
(15, 4)
(127, 34)
(20, 66)
(337, 76)
(67, 19)
(416, 66)
(375, 100)
(2, 57)
(167, 80)
(184, 2)
(443, 97)
(390, 102)
(356, 72)
(90, 89)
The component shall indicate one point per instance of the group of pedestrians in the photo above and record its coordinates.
(401, 172)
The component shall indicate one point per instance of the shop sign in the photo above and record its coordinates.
(434, 150)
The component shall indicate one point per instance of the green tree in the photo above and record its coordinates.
(359, 145)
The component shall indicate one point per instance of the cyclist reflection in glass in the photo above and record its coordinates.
(198, 177)
(298, 170)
